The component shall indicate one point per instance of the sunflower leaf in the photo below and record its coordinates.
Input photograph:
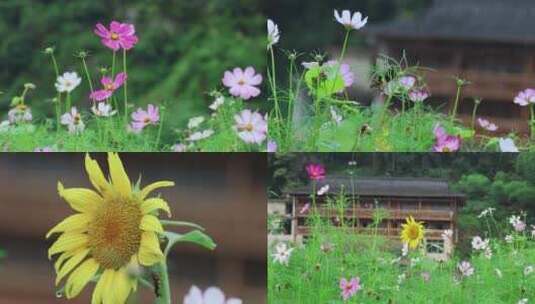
(196, 237)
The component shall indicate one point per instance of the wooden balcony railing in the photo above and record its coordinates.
(393, 214)
(430, 234)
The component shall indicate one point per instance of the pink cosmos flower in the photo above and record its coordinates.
(349, 288)
(272, 146)
(407, 82)
(243, 83)
(305, 208)
(142, 118)
(487, 125)
(20, 114)
(445, 142)
(120, 35)
(109, 85)
(525, 97)
(251, 127)
(315, 172)
(465, 268)
(418, 95)
(345, 72)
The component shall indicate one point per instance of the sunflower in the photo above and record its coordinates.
(115, 230)
(412, 232)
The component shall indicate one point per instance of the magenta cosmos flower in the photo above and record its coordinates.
(142, 118)
(243, 83)
(349, 288)
(445, 142)
(120, 35)
(315, 172)
(251, 127)
(109, 87)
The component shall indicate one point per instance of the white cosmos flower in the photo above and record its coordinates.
(479, 244)
(273, 33)
(523, 301)
(509, 239)
(488, 211)
(251, 127)
(212, 295)
(194, 122)
(405, 249)
(487, 125)
(350, 22)
(73, 121)
(282, 254)
(533, 231)
(465, 268)
(508, 145)
(219, 101)
(323, 190)
(200, 135)
(310, 65)
(179, 148)
(67, 82)
(337, 118)
(103, 109)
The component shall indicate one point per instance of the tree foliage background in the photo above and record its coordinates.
(185, 46)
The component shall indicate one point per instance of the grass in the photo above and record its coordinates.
(313, 273)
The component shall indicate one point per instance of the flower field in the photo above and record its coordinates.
(338, 263)
(331, 267)
(401, 120)
(112, 121)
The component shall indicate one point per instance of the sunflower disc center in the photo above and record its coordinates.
(114, 234)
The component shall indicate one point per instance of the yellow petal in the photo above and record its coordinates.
(122, 286)
(150, 252)
(151, 223)
(80, 199)
(95, 175)
(80, 277)
(77, 222)
(71, 263)
(120, 180)
(108, 295)
(102, 284)
(64, 256)
(148, 189)
(153, 204)
(66, 242)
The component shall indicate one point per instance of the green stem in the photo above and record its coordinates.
(113, 64)
(58, 96)
(125, 88)
(474, 113)
(87, 74)
(456, 104)
(164, 294)
(68, 102)
(289, 115)
(160, 129)
(274, 87)
(532, 122)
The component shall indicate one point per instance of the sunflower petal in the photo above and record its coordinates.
(62, 258)
(80, 199)
(80, 277)
(122, 286)
(150, 252)
(102, 284)
(119, 178)
(67, 242)
(77, 222)
(95, 175)
(70, 264)
(153, 204)
(151, 223)
(148, 189)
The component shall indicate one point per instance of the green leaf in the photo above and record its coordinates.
(196, 237)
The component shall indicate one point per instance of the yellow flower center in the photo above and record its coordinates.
(247, 127)
(413, 232)
(114, 36)
(114, 233)
(241, 82)
(446, 149)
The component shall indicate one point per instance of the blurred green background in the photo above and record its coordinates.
(185, 46)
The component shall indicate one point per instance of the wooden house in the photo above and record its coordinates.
(490, 43)
(430, 201)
